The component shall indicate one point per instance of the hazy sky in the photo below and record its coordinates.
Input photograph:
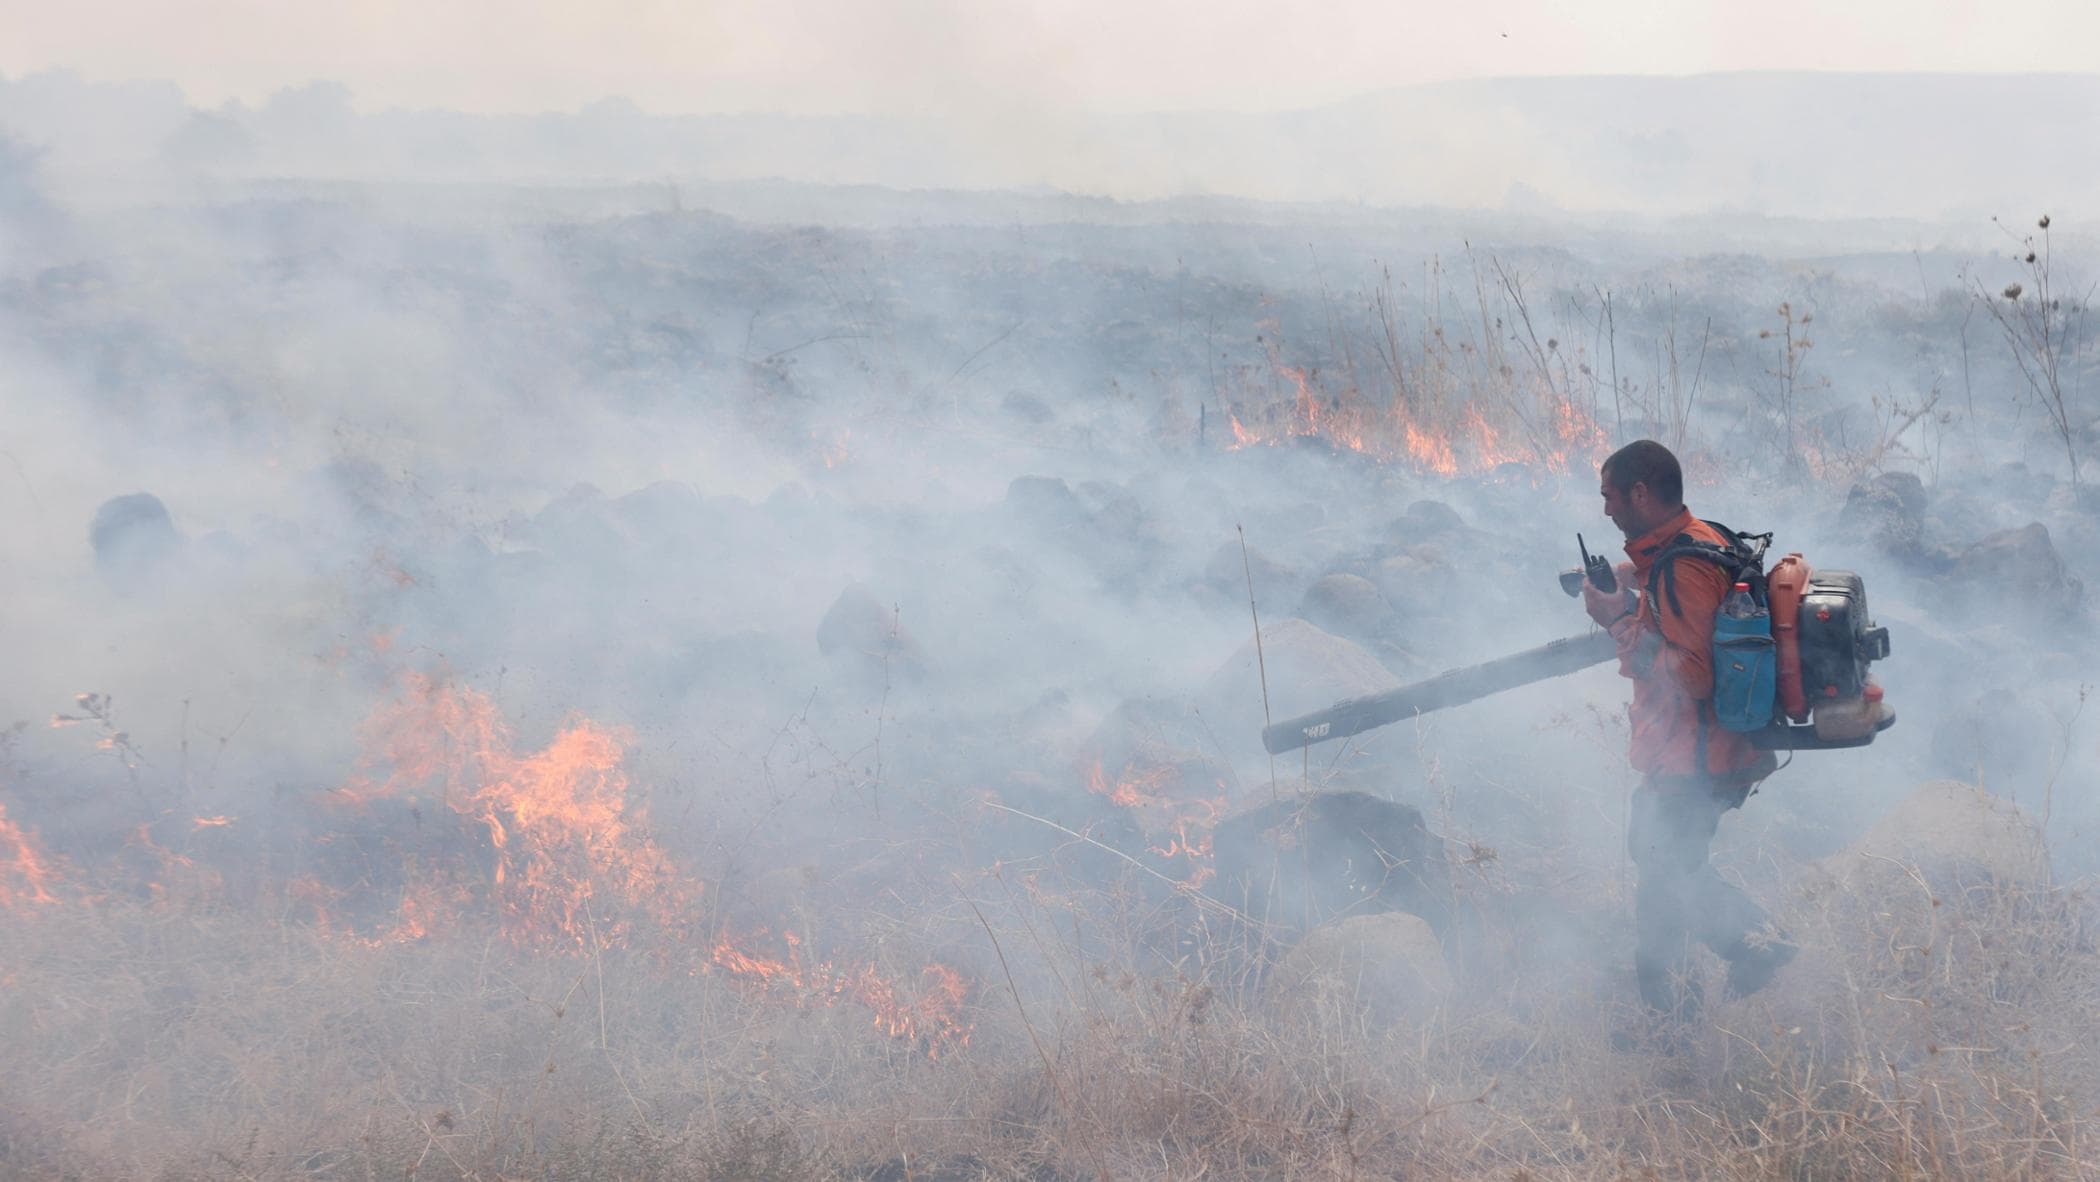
(825, 56)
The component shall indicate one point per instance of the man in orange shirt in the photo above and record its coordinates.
(1693, 770)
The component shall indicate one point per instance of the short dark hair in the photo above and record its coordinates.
(1645, 461)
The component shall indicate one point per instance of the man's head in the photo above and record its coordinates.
(1642, 486)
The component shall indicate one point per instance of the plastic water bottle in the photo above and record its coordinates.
(1739, 605)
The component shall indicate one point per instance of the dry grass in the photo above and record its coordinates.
(1929, 1030)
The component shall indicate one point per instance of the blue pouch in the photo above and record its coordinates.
(1746, 671)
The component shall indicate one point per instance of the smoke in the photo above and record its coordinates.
(925, 112)
(869, 559)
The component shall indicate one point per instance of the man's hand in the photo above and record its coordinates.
(1609, 607)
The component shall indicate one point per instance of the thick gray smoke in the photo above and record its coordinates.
(898, 535)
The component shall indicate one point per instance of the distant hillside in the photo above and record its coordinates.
(1818, 145)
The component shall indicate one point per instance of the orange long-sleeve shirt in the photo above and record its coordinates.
(1669, 655)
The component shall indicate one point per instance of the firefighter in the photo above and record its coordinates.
(1692, 770)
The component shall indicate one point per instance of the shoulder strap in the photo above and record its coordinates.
(1664, 571)
(1736, 555)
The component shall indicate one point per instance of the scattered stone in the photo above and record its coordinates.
(1430, 518)
(1152, 733)
(2011, 732)
(1227, 573)
(1296, 863)
(866, 641)
(134, 539)
(1045, 501)
(1345, 604)
(1950, 832)
(665, 509)
(1388, 967)
(1948, 847)
(1887, 512)
(2021, 569)
(1921, 916)
(581, 522)
(1419, 582)
(1307, 669)
(1027, 407)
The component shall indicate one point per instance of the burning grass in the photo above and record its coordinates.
(1442, 436)
(189, 1035)
(229, 1046)
(525, 982)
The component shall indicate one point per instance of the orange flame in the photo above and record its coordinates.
(933, 1013)
(26, 878)
(835, 451)
(1189, 821)
(1132, 788)
(557, 819)
(1545, 430)
(573, 868)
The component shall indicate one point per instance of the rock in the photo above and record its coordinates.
(1887, 512)
(1430, 518)
(1345, 604)
(868, 642)
(1154, 756)
(134, 540)
(1388, 967)
(2017, 567)
(1923, 929)
(1947, 848)
(1045, 501)
(1150, 733)
(581, 523)
(1121, 538)
(790, 499)
(1227, 573)
(1307, 669)
(1420, 582)
(1950, 832)
(2009, 733)
(1296, 863)
(663, 510)
(1026, 407)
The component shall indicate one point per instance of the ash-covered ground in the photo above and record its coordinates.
(517, 682)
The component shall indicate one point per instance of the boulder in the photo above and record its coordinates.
(1387, 967)
(1949, 832)
(1026, 407)
(1430, 518)
(1046, 502)
(1307, 669)
(2018, 568)
(1150, 732)
(1945, 851)
(1887, 513)
(582, 523)
(1922, 930)
(134, 540)
(1418, 583)
(1295, 863)
(1227, 572)
(1153, 758)
(1345, 604)
(664, 510)
(866, 641)
(2011, 732)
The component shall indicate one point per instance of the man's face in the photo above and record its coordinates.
(1631, 510)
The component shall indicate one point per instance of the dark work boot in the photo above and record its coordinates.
(1753, 961)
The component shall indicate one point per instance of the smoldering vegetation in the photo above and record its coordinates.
(568, 683)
